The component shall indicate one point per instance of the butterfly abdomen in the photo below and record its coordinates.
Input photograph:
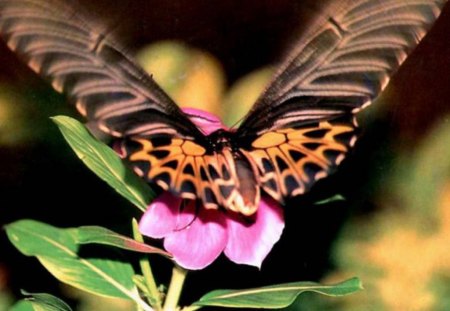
(238, 186)
(246, 195)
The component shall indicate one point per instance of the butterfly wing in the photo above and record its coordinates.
(114, 94)
(302, 126)
(104, 84)
(297, 132)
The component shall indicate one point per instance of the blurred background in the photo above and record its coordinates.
(392, 230)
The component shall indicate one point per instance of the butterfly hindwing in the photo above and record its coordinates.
(185, 168)
(291, 160)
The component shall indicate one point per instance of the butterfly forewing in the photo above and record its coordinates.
(342, 63)
(59, 42)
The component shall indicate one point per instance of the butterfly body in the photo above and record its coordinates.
(297, 132)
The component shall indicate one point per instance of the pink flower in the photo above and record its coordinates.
(196, 236)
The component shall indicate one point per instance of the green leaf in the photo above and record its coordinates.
(104, 162)
(57, 250)
(275, 296)
(46, 302)
(334, 198)
(22, 305)
(99, 235)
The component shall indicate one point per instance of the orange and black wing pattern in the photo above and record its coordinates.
(180, 165)
(290, 161)
(190, 170)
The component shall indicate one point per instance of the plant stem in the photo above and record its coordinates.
(143, 305)
(147, 271)
(175, 288)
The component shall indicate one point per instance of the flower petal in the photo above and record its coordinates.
(163, 216)
(206, 121)
(200, 242)
(251, 243)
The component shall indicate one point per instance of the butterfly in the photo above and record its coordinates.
(297, 132)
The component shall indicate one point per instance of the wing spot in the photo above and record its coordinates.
(347, 138)
(333, 155)
(267, 165)
(298, 191)
(209, 195)
(188, 186)
(291, 184)
(142, 166)
(311, 169)
(225, 173)
(269, 139)
(188, 170)
(160, 154)
(177, 142)
(192, 149)
(163, 180)
(340, 158)
(161, 141)
(213, 172)
(271, 184)
(312, 146)
(281, 164)
(321, 175)
(296, 155)
(132, 146)
(320, 133)
(225, 191)
(138, 171)
(173, 164)
(203, 174)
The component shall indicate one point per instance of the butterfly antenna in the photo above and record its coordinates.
(197, 210)
(235, 124)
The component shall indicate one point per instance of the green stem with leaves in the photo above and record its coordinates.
(147, 271)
